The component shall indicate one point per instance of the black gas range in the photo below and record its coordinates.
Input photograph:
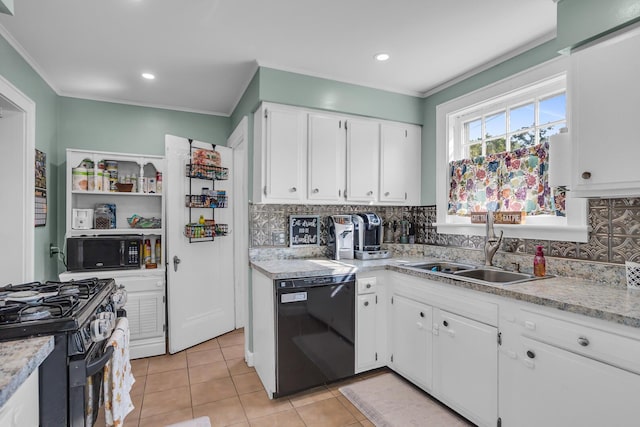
(80, 315)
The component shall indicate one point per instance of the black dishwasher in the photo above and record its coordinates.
(315, 331)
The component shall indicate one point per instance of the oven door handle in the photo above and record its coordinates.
(94, 367)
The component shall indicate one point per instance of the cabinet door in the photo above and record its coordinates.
(393, 163)
(366, 356)
(553, 387)
(605, 109)
(145, 312)
(326, 158)
(413, 162)
(412, 340)
(22, 408)
(363, 154)
(284, 155)
(466, 366)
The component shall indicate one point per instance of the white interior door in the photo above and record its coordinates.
(200, 288)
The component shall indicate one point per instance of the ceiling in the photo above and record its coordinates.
(205, 52)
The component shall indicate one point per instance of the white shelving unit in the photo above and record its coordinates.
(146, 288)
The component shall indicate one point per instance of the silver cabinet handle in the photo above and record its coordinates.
(369, 193)
(368, 285)
(176, 261)
(583, 341)
(315, 190)
(586, 175)
(293, 189)
(387, 194)
(366, 303)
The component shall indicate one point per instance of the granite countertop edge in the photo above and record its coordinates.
(566, 294)
(20, 359)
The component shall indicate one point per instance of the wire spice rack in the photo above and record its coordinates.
(218, 200)
(205, 165)
(210, 172)
(208, 230)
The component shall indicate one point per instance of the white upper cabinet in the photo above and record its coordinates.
(326, 158)
(604, 88)
(400, 163)
(279, 154)
(363, 154)
(308, 156)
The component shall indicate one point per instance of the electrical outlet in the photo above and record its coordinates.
(277, 238)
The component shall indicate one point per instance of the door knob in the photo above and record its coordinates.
(315, 190)
(586, 175)
(387, 194)
(176, 261)
(293, 189)
(369, 193)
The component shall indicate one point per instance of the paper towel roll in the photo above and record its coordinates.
(560, 159)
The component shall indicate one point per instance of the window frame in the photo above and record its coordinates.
(573, 227)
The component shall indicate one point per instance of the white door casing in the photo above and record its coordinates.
(200, 291)
(17, 133)
(238, 142)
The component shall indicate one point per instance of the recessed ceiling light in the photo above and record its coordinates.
(148, 76)
(381, 56)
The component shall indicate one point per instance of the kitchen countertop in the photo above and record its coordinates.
(19, 359)
(568, 294)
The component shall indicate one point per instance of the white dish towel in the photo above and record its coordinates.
(118, 379)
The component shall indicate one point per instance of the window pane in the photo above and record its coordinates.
(526, 139)
(496, 146)
(496, 125)
(475, 150)
(553, 109)
(474, 130)
(546, 132)
(522, 117)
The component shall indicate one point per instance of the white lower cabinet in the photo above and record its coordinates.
(445, 341)
(22, 409)
(561, 369)
(412, 341)
(371, 321)
(466, 361)
(145, 307)
(545, 385)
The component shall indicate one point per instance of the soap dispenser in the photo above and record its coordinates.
(539, 263)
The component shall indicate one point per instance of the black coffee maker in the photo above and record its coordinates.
(368, 236)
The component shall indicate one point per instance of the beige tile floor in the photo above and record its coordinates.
(212, 379)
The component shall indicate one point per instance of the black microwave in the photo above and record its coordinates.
(103, 253)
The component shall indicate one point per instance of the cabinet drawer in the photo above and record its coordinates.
(609, 347)
(366, 285)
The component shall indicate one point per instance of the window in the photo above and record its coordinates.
(492, 154)
(501, 159)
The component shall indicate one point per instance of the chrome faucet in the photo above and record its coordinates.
(491, 242)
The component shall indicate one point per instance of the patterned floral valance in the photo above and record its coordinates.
(509, 181)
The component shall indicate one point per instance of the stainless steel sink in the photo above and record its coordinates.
(474, 273)
(442, 267)
(496, 276)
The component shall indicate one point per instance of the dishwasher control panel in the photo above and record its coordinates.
(305, 282)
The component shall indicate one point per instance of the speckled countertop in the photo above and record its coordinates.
(19, 359)
(567, 294)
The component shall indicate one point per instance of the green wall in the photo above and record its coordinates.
(106, 126)
(314, 92)
(580, 21)
(14, 69)
(63, 122)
